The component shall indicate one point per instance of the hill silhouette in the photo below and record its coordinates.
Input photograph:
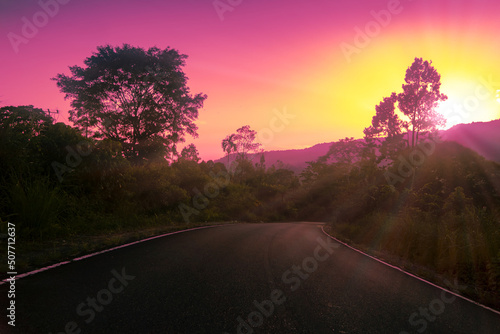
(295, 159)
(482, 137)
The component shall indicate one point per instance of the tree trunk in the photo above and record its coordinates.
(413, 129)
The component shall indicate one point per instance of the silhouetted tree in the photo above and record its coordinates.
(386, 123)
(135, 96)
(20, 128)
(418, 101)
(420, 97)
(346, 154)
(345, 151)
(244, 140)
(241, 142)
(26, 120)
(262, 162)
(386, 131)
(190, 153)
(228, 145)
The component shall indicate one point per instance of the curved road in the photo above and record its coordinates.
(248, 278)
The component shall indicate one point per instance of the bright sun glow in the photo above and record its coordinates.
(468, 102)
(453, 111)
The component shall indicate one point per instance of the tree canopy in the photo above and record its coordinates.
(228, 145)
(190, 153)
(137, 97)
(420, 97)
(417, 103)
(241, 142)
(386, 122)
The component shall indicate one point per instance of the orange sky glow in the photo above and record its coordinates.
(299, 73)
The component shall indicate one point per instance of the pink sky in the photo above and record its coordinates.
(268, 57)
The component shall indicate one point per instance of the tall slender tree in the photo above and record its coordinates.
(228, 145)
(420, 97)
(417, 105)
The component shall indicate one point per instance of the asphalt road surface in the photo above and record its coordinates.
(248, 278)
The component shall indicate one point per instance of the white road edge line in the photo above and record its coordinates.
(410, 274)
(36, 271)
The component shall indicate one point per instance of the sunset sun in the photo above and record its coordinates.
(468, 100)
(453, 111)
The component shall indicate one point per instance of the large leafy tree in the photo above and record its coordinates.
(135, 96)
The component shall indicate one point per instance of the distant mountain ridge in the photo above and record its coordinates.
(482, 137)
(294, 159)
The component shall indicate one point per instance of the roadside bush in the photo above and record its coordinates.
(36, 206)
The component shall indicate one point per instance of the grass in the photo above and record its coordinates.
(463, 247)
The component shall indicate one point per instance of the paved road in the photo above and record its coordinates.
(249, 278)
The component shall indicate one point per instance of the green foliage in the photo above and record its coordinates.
(35, 205)
(457, 203)
(152, 189)
(444, 216)
(382, 198)
(21, 136)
